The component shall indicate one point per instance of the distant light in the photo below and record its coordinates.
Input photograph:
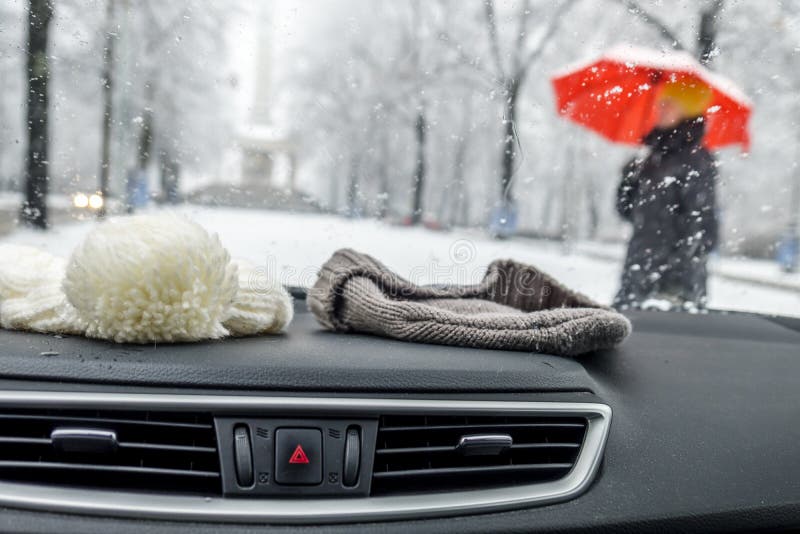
(95, 201)
(80, 200)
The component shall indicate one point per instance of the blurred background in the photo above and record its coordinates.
(429, 113)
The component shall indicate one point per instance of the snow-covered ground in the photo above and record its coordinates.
(742, 269)
(12, 200)
(296, 245)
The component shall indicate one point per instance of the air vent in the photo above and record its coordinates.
(59, 449)
(171, 452)
(443, 453)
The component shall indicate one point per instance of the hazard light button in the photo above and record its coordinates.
(298, 456)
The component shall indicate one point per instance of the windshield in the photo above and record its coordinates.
(642, 152)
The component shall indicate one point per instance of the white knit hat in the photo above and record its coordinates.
(140, 279)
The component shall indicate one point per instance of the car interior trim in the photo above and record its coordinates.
(313, 510)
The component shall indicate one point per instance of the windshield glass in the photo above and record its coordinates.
(641, 152)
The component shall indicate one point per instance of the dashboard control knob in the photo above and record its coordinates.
(352, 456)
(243, 456)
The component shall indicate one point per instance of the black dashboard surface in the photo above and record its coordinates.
(705, 431)
(306, 358)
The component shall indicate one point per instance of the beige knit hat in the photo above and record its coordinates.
(514, 307)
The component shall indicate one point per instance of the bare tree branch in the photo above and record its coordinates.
(494, 43)
(397, 104)
(552, 27)
(465, 59)
(166, 30)
(522, 33)
(654, 21)
(706, 39)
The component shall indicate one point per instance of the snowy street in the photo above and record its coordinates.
(453, 120)
(295, 245)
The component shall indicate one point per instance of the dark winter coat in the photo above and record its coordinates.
(669, 198)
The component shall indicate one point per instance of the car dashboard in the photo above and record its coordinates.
(691, 424)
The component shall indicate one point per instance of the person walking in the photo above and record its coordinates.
(668, 196)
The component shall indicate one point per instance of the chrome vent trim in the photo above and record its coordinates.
(213, 508)
(427, 454)
(105, 448)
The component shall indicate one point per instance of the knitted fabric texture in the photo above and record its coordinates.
(142, 279)
(514, 307)
(31, 297)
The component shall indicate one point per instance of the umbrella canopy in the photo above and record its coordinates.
(615, 95)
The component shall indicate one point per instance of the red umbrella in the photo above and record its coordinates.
(615, 95)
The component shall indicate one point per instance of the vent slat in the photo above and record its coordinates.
(417, 450)
(546, 446)
(471, 470)
(21, 440)
(165, 447)
(107, 468)
(479, 427)
(151, 451)
(417, 453)
(102, 421)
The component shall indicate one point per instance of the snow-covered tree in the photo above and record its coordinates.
(170, 70)
(12, 82)
(370, 85)
(173, 82)
(37, 173)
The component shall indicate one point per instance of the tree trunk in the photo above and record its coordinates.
(335, 183)
(594, 212)
(170, 175)
(145, 144)
(292, 170)
(568, 213)
(383, 178)
(509, 145)
(459, 197)
(135, 177)
(547, 222)
(587, 175)
(707, 34)
(108, 81)
(420, 128)
(464, 210)
(793, 228)
(460, 209)
(352, 186)
(34, 207)
(6, 182)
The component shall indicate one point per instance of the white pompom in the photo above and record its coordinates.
(151, 278)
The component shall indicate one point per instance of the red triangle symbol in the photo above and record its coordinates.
(299, 456)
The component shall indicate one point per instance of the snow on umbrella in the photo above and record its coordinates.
(615, 95)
